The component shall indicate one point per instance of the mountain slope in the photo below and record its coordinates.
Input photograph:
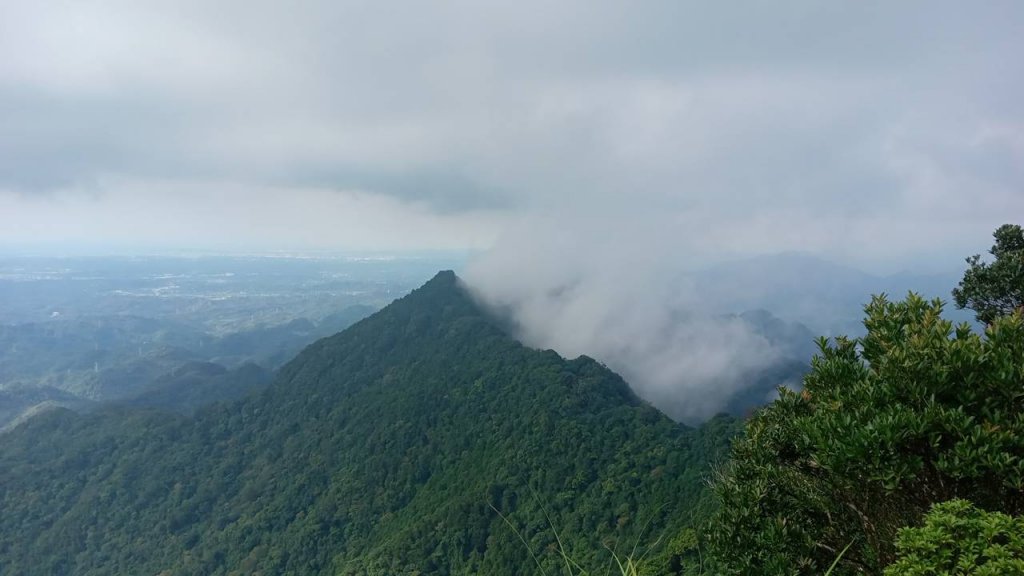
(21, 402)
(794, 344)
(379, 450)
(196, 384)
(88, 361)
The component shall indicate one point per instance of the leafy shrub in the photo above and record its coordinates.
(914, 413)
(959, 539)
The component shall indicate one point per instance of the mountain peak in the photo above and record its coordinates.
(444, 277)
(444, 282)
(441, 292)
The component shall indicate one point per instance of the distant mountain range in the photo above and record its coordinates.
(81, 363)
(824, 296)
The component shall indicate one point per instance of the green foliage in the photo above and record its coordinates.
(377, 451)
(914, 413)
(958, 539)
(995, 289)
(86, 361)
(197, 384)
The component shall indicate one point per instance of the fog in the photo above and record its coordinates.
(621, 297)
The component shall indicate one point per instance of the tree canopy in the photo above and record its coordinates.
(959, 539)
(914, 413)
(996, 288)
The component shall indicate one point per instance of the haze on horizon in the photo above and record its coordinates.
(588, 153)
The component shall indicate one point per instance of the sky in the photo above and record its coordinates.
(588, 155)
(870, 132)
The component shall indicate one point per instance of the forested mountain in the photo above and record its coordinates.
(197, 384)
(386, 449)
(21, 402)
(87, 361)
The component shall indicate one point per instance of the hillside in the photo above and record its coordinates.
(197, 384)
(379, 450)
(85, 362)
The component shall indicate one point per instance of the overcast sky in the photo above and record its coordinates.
(870, 132)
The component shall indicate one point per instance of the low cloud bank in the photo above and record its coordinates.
(631, 307)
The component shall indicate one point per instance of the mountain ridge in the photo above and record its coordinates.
(381, 449)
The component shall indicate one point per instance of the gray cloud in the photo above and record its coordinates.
(674, 105)
(593, 290)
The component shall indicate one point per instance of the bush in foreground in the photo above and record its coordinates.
(959, 539)
(915, 413)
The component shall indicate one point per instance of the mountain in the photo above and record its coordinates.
(793, 339)
(794, 346)
(88, 361)
(389, 448)
(184, 390)
(825, 296)
(20, 402)
(197, 384)
(272, 346)
(74, 354)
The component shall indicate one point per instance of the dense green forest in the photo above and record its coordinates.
(424, 440)
(388, 448)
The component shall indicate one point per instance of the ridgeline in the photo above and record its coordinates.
(389, 448)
